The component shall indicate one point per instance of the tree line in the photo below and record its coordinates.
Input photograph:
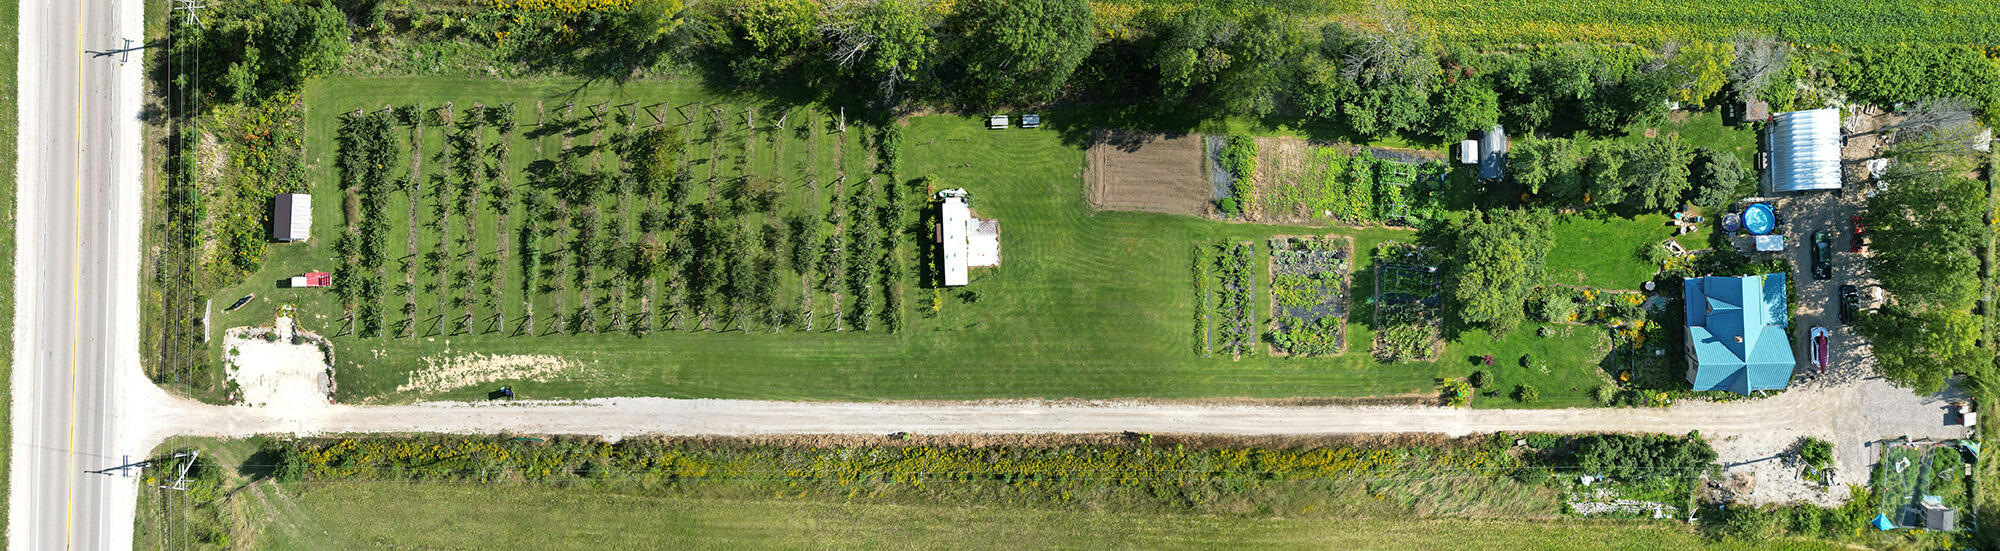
(1380, 74)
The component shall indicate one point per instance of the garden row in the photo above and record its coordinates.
(1234, 321)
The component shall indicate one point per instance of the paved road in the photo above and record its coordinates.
(76, 290)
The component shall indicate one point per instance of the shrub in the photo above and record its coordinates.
(1527, 394)
(1816, 453)
(1527, 360)
(1604, 394)
(1480, 379)
(1653, 253)
(1456, 392)
(1557, 309)
(1239, 157)
(1751, 523)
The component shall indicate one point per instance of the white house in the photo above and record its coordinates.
(964, 241)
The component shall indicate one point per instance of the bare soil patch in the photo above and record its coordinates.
(446, 371)
(1148, 171)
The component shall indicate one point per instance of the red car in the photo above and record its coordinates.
(1820, 350)
(1860, 239)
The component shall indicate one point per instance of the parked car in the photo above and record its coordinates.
(1822, 255)
(1850, 300)
(1860, 238)
(1819, 349)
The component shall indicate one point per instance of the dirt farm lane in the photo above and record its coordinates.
(1748, 434)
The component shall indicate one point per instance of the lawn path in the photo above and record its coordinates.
(839, 222)
(415, 194)
(504, 207)
(470, 208)
(559, 319)
(443, 210)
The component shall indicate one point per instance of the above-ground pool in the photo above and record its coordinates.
(1759, 219)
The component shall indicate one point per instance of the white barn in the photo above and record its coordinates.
(964, 240)
(1805, 151)
(291, 217)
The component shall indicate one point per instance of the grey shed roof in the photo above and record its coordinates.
(1493, 154)
(291, 217)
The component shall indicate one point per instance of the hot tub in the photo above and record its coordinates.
(1759, 219)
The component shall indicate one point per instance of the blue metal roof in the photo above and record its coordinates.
(1736, 332)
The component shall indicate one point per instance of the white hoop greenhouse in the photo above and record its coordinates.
(1805, 151)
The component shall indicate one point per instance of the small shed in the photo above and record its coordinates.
(1468, 152)
(291, 217)
(1937, 516)
(314, 279)
(1493, 154)
(1031, 120)
(996, 122)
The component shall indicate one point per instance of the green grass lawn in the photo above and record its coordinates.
(1564, 366)
(10, 12)
(1600, 248)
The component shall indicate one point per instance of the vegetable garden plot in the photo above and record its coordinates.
(1410, 194)
(1310, 280)
(1234, 285)
(1409, 287)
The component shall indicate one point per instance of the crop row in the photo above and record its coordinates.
(1232, 270)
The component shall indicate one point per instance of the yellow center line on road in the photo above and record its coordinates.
(76, 261)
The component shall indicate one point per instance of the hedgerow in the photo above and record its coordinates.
(1135, 472)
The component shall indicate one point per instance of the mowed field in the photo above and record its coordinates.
(1087, 303)
(437, 516)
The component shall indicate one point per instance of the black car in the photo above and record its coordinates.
(1822, 255)
(1849, 302)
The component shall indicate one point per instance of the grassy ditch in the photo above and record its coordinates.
(1085, 491)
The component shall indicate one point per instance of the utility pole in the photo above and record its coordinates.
(180, 481)
(191, 7)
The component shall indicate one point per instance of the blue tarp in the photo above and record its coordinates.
(1881, 522)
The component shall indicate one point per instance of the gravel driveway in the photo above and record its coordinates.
(1746, 433)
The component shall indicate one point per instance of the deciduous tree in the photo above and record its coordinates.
(1499, 256)
(1019, 51)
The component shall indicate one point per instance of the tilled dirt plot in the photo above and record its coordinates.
(1147, 171)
